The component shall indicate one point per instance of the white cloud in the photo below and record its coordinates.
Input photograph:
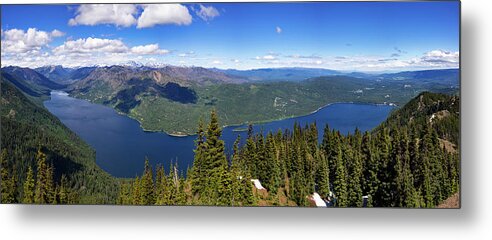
(207, 13)
(148, 49)
(156, 14)
(57, 33)
(278, 30)
(441, 57)
(91, 45)
(94, 14)
(20, 41)
(313, 56)
(217, 62)
(435, 59)
(187, 54)
(32, 50)
(266, 57)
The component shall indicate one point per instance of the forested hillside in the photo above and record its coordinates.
(439, 110)
(395, 166)
(177, 111)
(35, 143)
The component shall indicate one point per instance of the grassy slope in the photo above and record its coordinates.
(27, 126)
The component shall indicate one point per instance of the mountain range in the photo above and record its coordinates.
(165, 98)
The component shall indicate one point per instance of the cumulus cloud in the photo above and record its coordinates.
(156, 14)
(207, 13)
(94, 14)
(32, 40)
(91, 45)
(57, 33)
(148, 49)
(278, 30)
(141, 15)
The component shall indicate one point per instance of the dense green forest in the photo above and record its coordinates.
(28, 130)
(396, 165)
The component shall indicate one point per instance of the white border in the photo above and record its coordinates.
(473, 221)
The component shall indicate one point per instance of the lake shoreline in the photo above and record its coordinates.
(121, 144)
(183, 134)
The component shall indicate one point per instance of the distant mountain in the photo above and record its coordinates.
(280, 74)
(116, 78)
(441, 76)
(64, 75)
(123, 86)
(32, 77)
(80, 73)
(56, 73)
(28, 88)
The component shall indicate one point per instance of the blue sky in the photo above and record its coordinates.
(362, 36)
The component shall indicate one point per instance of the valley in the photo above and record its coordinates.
(174, 101)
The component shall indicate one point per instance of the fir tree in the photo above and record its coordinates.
(147, 185)
(160, 178)
(42, 193)
(7, 180)
(136, 192)
(63, 191)
(198, 171)
(323, 176)
(340, 182)
(29, 187)
(218, 184)
(354, 179)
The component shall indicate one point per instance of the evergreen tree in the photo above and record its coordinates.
(8, 185)
(50, 185)
(383, 195)
(354, 179)
(29, 187)
(323, 175)
(370, 182)
(198, 171)
(125, 194)
(147, 185)
(340, 183)
(136, 192)
(63, 191)
(42, 193)
(218, 187)
(160, 178)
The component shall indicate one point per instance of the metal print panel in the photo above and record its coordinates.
(300, 104)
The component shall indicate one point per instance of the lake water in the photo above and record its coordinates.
(121, 145)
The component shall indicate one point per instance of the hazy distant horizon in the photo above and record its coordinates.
(249, 69)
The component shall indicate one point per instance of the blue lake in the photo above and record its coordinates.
(121, 145)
